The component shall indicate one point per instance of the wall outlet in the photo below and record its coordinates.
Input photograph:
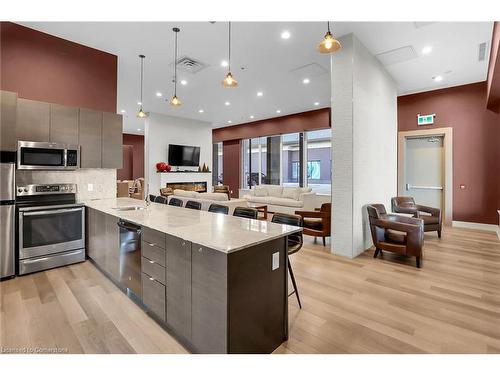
(276, 261)
(90, 187)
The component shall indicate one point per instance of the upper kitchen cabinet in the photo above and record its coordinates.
(33, 120)
(112, 139)
(63, 124)
(8, 136)
(90, 138)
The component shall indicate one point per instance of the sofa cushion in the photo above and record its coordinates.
(291, 192)
(214, 196)
(278, 201)
(395, 236)
(260, 191)
(313, 223)
(186, 193)
(274, 190)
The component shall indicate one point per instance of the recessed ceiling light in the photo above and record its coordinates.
(278, 111)
(139, 103)
(201, 111)
(252, 116)
(285, 34)
(437, 78)
(227, 103)
(224, 63)
(122, 111)
(229, 122)
(316, 103)
(305, 81)
(158, 94)
(139, 130)
(184, 82)
(260, 93)
(426, 50)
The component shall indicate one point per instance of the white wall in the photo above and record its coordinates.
(364, 135)
(162, 130)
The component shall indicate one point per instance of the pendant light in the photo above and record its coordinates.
(175, 101)
(229, 80)
(329, 44)
(141, 113)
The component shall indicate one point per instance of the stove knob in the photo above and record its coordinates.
(19, 190)
(25, 190)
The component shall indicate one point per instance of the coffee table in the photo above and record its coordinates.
(262, 208)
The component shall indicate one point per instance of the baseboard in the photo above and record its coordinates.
(478, 226)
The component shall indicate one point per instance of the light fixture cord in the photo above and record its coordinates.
(229, 63)
(175, 66)
(328, 23)
(142, 74)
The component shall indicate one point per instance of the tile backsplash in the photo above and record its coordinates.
(91, 183)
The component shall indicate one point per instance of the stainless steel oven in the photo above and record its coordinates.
(51, 227)
(47, 156)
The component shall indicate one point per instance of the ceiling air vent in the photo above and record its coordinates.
(482, 51)
(397, 55)
(419, 25)
(189, 65)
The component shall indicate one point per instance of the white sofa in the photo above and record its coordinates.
(206, 199)
(281, 199)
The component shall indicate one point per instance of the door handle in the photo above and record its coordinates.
(408, 187)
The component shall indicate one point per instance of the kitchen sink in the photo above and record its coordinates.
(129, 208)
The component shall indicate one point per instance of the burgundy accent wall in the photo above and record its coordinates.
(311, 120)
(43, 67)
(476, 145)
(133, 157)
(494, 70)
(231, 161)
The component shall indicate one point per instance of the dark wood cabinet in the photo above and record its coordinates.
(90, 138)
(179, 286)
(209, 300)
(33, 120)
(112, 134)
(8, 134)
(63, 124)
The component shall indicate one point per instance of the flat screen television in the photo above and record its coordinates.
(183, 156)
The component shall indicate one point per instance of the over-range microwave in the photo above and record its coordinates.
(47, 156)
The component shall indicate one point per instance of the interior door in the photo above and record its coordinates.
(424, 167)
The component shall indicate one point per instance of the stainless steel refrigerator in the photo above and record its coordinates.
(7, 213)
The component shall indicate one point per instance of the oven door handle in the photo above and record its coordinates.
(52, 212)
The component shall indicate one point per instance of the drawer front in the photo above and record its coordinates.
(154, 237)
(153, 269)
(154, 253)
(153, 296)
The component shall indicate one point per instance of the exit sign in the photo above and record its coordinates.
(425, 119)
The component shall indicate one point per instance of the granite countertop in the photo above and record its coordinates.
(216, 231)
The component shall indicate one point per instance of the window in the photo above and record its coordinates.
(217, 164)
(319, 160)
(295, 159)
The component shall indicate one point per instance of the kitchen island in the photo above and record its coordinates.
(216, 282)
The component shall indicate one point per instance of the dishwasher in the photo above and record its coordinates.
(130, 257)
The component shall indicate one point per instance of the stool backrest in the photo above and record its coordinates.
(246, 212)
(295, 240)
(218, 208)
(175, 202)
(193, 205)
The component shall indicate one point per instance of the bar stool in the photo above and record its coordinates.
(218, 208)
(295, 242)
(175, 202)
(246, 212)
(193, 205)
(160, 199)
(152, 197)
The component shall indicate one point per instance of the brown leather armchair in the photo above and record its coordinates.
(394, 233)
(407, 205)
(317, 223)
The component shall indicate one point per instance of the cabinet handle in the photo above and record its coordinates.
(152, 244)
(152, 279)
(200, 250)
(151, 262)
(183, 243)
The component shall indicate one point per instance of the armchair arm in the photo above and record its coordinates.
(312, 214)
(406, 210)
(431, 210)
(400, 225)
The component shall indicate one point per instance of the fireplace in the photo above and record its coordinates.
(200, 187)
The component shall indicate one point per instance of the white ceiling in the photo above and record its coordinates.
(268, 61)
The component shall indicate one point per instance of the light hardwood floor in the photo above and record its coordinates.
(365, 305)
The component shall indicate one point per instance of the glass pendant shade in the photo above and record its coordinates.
(141, 113)
(175, 101)
(329, 44)
(229, 81)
